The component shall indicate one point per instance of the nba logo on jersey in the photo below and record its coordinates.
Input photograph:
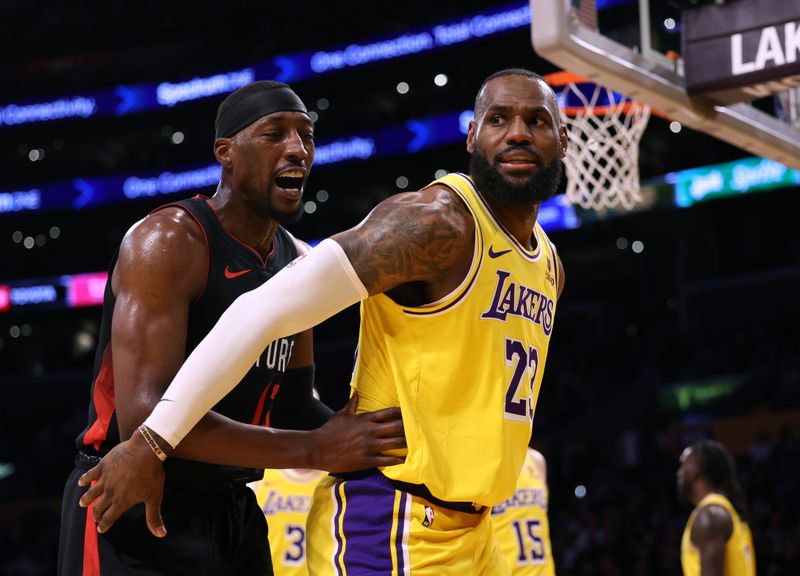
(428, 522)
(549, 274)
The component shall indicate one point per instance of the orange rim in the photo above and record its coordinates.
(564, 77)
(627, 108)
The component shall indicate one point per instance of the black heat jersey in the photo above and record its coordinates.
(233, 268)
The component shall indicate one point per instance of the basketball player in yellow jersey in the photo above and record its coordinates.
(285, 498)
(459, 285)
(461, 353)
(521, 525)
(717, 539)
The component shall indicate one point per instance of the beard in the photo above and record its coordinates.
(540, 187)
(266, 207)
(284, 218)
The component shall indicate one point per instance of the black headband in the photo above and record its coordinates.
(257, 105)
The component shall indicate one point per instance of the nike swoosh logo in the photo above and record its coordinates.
(493, 254)
(231, 275)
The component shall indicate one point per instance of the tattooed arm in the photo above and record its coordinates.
(425, 236)
(421, 240)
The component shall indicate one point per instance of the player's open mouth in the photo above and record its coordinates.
(291, 179)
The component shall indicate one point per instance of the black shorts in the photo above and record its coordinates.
(218, 530)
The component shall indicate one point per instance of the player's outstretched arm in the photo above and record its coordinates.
(417, 237)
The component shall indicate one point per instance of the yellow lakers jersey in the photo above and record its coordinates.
(465, 370)
(521, 527)
(285, 497)
(740, 559)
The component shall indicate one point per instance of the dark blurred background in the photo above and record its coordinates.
(676, 323)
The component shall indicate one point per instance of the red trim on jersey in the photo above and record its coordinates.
(91, 555)
(257, 416)
(260, 408)
(253, 250)
(272, 397)
(208, 253)
(103, 400)
(271, 251)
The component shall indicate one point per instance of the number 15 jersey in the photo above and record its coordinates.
(465, 370)
(521, 525)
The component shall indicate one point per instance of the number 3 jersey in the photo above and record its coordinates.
(521, 526)
(285, 497)
(465, 370)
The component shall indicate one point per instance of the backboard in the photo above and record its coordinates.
(644, 64)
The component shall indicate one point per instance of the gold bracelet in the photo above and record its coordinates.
(148, 437)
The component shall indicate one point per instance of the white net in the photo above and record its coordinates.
(602, 162)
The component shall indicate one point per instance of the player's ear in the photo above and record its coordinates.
(222, 152)
(471, 136)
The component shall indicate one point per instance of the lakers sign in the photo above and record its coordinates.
(742, 50)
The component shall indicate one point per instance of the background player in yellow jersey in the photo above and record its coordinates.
(459, 285)
(717, 539)
(521, 525)
(285, 498)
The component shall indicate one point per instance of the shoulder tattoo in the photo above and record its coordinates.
(410, 237)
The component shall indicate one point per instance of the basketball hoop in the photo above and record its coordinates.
(605, 129)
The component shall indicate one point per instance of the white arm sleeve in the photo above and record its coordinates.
(303, 294)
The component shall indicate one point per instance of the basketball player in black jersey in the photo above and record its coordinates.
(175, 273)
